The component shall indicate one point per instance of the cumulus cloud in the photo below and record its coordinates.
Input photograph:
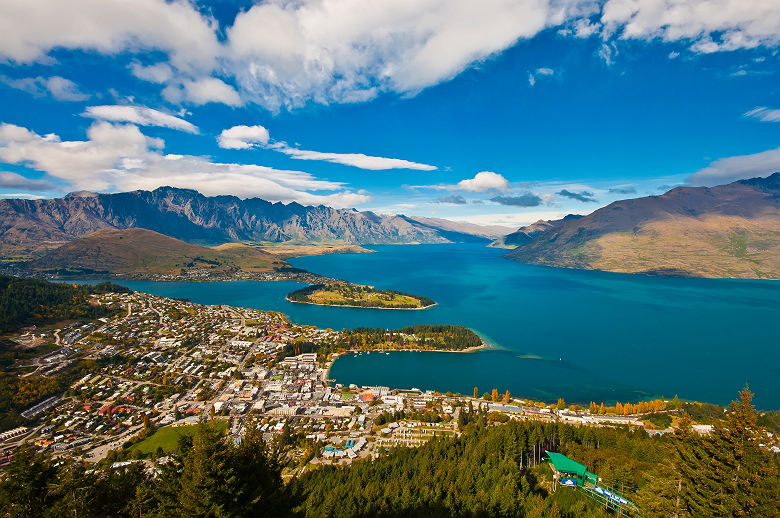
(9, 180)
(157, 73)
(709, 25)
(484, 181)
(452, 199)
(729, 169)
(140, 115)
(58, 87)
(349, 51)
(243, 137)
(121, 158)
(29, 30)
(763, 114)
(527, 199)
(280, 53)
(583, 196)
(202, 91)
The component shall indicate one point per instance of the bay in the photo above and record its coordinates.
(580, 335)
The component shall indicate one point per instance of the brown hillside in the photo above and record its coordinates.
(725, 231)
(143, 252)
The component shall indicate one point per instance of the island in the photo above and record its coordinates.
(358, 296)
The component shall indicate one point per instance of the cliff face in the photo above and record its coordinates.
(725, 231)
(33, 226)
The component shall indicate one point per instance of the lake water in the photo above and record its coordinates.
(575, 334)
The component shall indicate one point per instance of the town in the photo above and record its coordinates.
(161, 365)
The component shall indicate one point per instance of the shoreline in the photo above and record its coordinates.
(359, 307)
(484, 346)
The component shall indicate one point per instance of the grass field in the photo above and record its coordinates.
(168, 438)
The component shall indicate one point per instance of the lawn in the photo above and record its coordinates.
(168, 438)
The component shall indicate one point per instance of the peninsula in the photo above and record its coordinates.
(358, 296)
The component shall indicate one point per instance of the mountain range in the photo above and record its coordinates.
(31, 227)
(730, 230)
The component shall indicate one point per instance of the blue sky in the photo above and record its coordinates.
(496, 112)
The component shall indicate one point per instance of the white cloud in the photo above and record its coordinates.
(25, 195)
(709, 25)
(373, 163)
(282, 53)
(140, 115)
(514, 219)
(9, 180)
(245, 137)
(483, 182)
(158, 73)
(763, 114)
(29, 30)
(242, 137)
(203, 91)
(351, 50)
(121, 158)
(58, 87)
(543, 71)
(729, 169)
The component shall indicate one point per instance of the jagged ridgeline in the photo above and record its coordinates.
(30, 227)
(348, 294)
(31, 301)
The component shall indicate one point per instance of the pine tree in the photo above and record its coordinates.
(24, 491)
(727, 473)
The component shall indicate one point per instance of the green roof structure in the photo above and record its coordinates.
(564, 464)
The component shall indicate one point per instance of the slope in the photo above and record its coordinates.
(145, 252)
(725, 231)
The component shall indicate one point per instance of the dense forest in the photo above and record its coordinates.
(489, 471)
(33, 301)
(419, 337)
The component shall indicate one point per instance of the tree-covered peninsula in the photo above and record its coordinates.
(356, 295)
(423, 337)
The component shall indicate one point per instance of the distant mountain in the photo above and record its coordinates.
(145, 252)
(524, 234)
(29, 227)
(459, 230)
(725, 231)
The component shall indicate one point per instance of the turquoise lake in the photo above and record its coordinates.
(579, 335)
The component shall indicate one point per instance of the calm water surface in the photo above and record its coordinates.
(559, 333)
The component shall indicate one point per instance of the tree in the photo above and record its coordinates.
(561, 404)
(727, 473)
(494, 395)
(24, 492)
(476, 393)
(507, 397)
